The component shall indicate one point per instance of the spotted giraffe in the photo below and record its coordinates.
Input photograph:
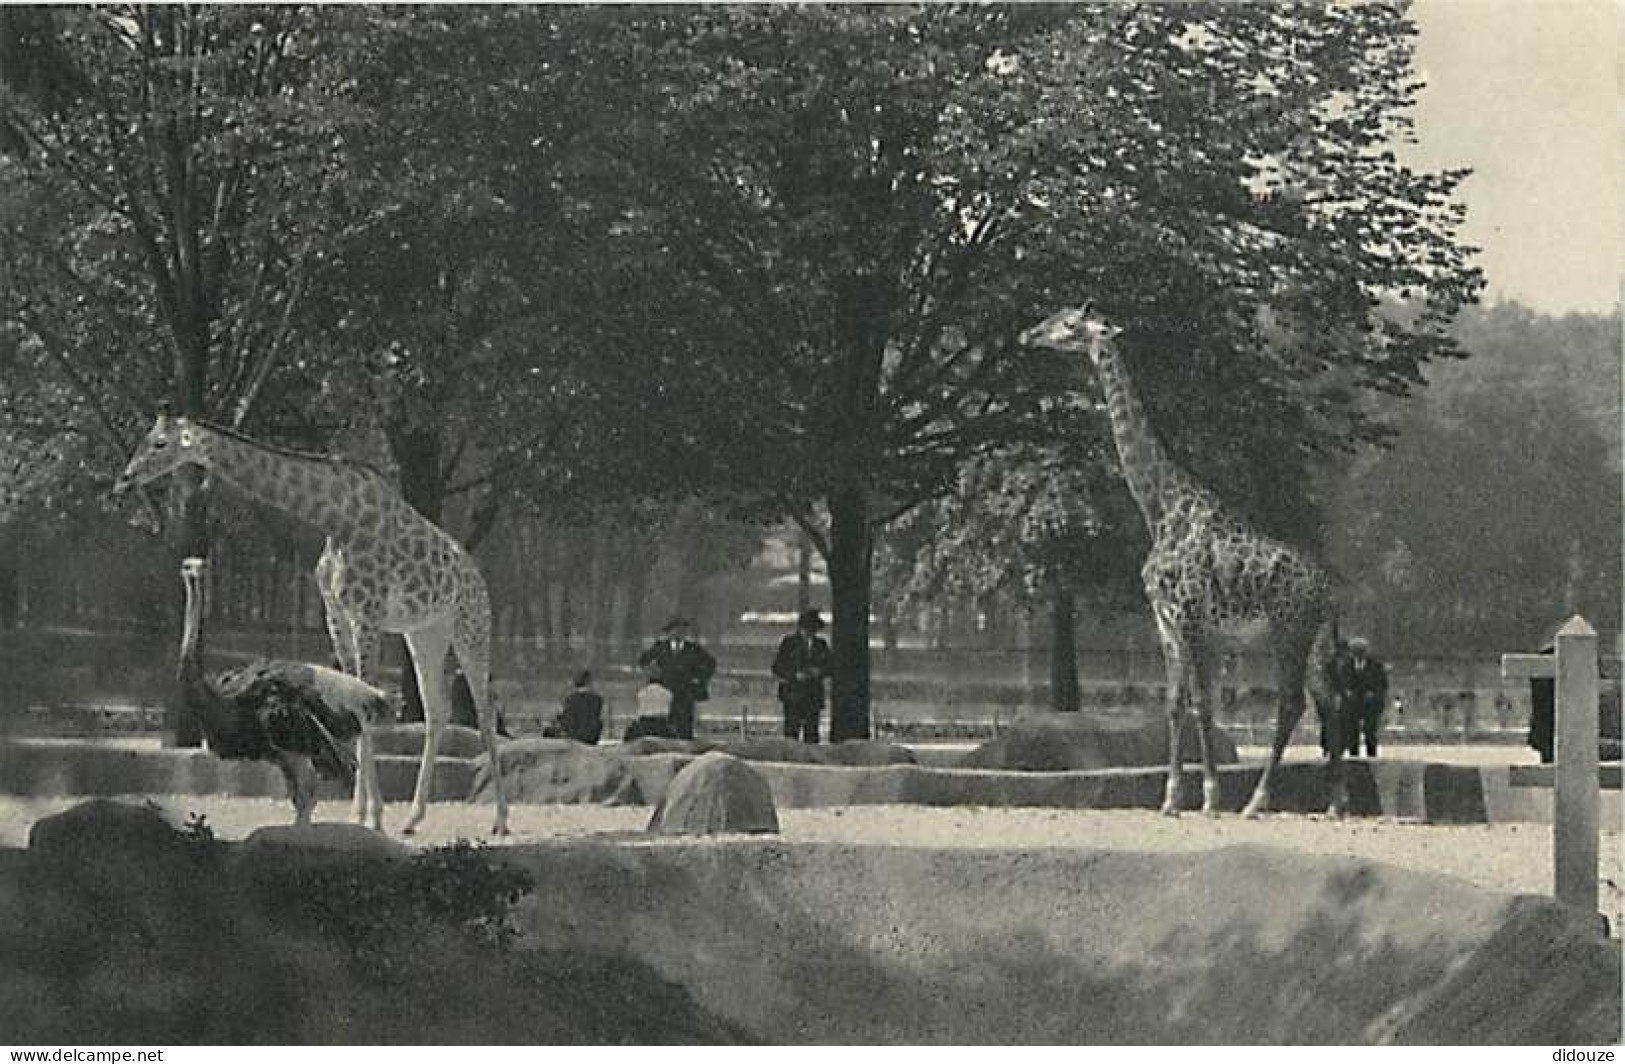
(1210, 575)
(385, 568)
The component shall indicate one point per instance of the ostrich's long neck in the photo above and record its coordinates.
(191, 657)
(1150, 473)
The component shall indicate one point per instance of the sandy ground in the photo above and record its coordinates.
(1509, 858)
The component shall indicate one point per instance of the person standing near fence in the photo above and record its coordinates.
(801, 664)
(682, 666)
(1367, 696)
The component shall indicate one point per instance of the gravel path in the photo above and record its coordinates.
(1511, 858)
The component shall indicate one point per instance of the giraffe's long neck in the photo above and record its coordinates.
(330, 496)
(1151, 475)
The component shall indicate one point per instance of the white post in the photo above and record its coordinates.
(1574, 811)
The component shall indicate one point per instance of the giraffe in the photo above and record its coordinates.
(1210, 575)
(384, 568)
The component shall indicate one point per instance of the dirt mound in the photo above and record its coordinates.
(191, 946)
(1061, 742)
(853, 945)
(549, 771)
(406, 740)
(326, 837)
(562, 771)
(778, 749)
(715, 794)
(102, 825)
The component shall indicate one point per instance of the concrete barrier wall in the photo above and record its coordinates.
(1432, 793)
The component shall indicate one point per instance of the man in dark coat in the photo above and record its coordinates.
(1367, 697)
(582, 716)
(1332, 705)
(801, 664)
(1543, 710)
(683, 667)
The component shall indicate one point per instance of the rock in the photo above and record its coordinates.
(101, 825)
(407, 740)
(327, 838)
(660, 744)
(541, 770)
(863, 753)
(1063, 742)
(716, 794)
(773, 748)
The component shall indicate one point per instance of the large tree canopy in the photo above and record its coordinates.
(876, 200)
(588, 256)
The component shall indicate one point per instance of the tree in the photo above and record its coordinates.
(184, 156)
(1050, 522)
(876, 229)
(1497, 511)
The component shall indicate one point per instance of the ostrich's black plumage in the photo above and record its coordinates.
(283, 712)
(257, 710)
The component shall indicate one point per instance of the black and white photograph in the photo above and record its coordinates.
(1085, 524)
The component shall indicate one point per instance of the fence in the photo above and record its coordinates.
(1574, 666)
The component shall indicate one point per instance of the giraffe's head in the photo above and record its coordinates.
(171, 443)
(1072, 329)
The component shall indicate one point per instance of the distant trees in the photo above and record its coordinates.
(1497, 512)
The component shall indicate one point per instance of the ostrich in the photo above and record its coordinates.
(303, 718)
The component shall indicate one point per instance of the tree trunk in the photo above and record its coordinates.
(10, 577)
(640, 561)
(851, 557)
(416, 449)
(1063, 660)
(803, 574)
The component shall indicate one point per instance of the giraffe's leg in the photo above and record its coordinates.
(428, 646)
(1290, 668)
(1336, 773)
(1177, 662)
(1324, 690)
(1201, 694)
(369, 796)
(473, 656)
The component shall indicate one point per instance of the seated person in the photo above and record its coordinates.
(654, 714)
(582, 716)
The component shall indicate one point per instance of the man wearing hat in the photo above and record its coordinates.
(802, 662)
(683, 667)
(1367, 696)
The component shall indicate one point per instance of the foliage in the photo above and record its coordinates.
(875, 231)
(1497, 512)
(1023, 520)
(176, 165)
(374, 909)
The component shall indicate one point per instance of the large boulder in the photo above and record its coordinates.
(862, 753)
(778, 748)
(561, 771)
(406, 740)
(1058, 742)
(102, 826)
(330, 838)
(716, 794)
